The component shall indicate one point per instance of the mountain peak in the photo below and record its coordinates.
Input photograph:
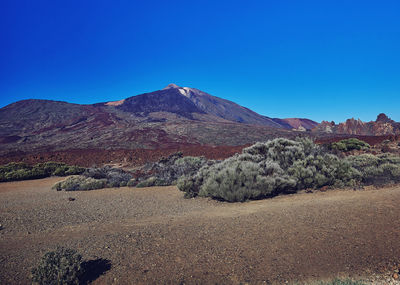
(383, 118)
(170, 86)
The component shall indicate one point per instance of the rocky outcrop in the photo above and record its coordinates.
(298, 124)
(383, 125)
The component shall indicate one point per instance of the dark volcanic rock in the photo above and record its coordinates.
(167, 100)
(224, 109)
(382, 118)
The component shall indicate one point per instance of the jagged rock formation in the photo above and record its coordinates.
(383, 125)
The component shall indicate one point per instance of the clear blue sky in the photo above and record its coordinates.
(322, 59)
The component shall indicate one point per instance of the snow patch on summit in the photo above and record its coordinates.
(185, 91)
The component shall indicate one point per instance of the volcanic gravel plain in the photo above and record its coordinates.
(155, 236)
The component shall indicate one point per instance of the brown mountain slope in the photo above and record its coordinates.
(298, 124)
(166, 118)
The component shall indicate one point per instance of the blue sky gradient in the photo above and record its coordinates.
(323, 60)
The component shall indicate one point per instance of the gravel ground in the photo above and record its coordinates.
(155, 236)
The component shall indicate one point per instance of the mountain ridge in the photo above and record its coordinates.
(383, 125)
(205, 104)
(170, 118)
(163, 118)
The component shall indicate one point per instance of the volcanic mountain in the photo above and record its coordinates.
(165, 118)
(383, 125)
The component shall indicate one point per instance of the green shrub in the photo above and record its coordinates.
(190, 184)
(235, 180)
(316, 171)
(268, 169)
(13, 166)
(342, 282)
(152, 181)
(168, 170)
(66, 170)
(21, 171)
(379, 169)
(132, 183)
(286, 166)
(74, 183)
(349, 144)
(115, 177)
(146, 183)
(94, 178)
(62, 266)
(60, 171)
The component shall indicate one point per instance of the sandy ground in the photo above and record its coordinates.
(155, 236)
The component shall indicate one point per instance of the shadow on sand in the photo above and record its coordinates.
(93, 269)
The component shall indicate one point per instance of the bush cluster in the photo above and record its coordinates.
(168, 170)
(267, 169)
(62, 266)
(349, 144)
(80, 182)
(115, 177)
(22, 171)
(95, 178)
(377, 169)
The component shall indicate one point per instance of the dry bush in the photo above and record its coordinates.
(75, 183)
(115, 177)
(21, 171)
(267, 169)
(62, 266)
(349, 144)
(168, 170)
(377, 169)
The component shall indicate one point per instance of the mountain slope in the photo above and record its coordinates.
(297, 123)
(222, 108)
(161, 119)
(167, 100)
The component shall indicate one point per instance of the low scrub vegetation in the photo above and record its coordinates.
(377, 169)
(95, 178)
(282, 166)
(168, 170)
(341, 282)
(349, 144)
(62, 266)
(22, 171)
(79, 182)
(115, 177)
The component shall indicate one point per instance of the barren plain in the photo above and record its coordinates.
(155, 236)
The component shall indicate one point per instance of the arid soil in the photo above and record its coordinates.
(138, 157)
(131, 157)
(372, 140)
(155, 236)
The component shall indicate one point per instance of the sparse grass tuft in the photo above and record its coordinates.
(341, 282)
